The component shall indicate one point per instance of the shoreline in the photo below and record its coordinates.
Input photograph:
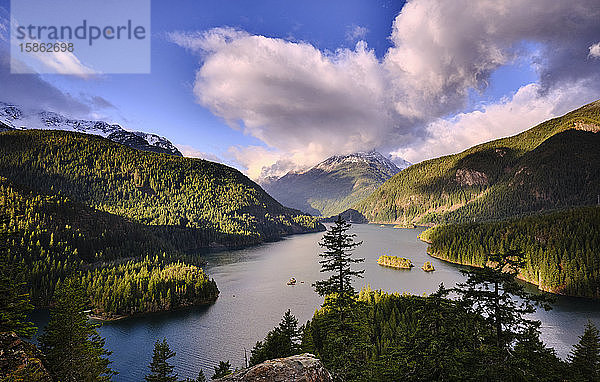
(519, 276)
(120, 317)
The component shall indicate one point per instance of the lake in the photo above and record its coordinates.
(254, 296)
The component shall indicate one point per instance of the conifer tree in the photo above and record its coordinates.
(222, 370)
(201, 377)
(74, 350)
(585, 356)
(493, 292)
(289, 328)
(160, 369)
(14, 299)
(345, 325)
(532, 360)
(280, 342)
(337, 258)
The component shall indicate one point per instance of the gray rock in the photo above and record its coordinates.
(298, 368)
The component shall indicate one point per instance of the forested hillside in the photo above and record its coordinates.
(216, 204)
(553, 165)
(561, 248)
(126, 267)
(130, 225)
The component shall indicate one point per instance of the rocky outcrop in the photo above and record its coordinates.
(21, 360)
(466, 177)
(298, 368)
(586, 126)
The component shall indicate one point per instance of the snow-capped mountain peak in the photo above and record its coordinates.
(14, 117)
(335, 184)
(371, 157)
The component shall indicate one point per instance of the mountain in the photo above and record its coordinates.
(13, 117)
(132, 225)
(216, 203)
(333, 185)
(555, 164)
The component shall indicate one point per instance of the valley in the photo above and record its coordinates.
(145, 232)
(254, 295)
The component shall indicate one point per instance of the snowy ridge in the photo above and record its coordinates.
(372, 157)
(334, 185)
(156, 140)
(15, 118)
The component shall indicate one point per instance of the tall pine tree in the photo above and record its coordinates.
(74, 350)
(14, 298)
(160, 369)
(282, 341)
(585, 357)
(348, 349)
(493, 292)
(337, 259)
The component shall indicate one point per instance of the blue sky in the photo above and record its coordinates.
(464, 83)
(162, 102)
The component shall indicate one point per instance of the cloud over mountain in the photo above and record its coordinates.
(306, 104)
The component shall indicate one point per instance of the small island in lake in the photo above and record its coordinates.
(398, 226)
(428, 267)
(395, 262)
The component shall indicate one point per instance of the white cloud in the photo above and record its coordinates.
(306, 104)
(356, 33)
(595, 50)
(526, 108)
(191, 152)
(3, 30)
(42, 62)
(256, 159)
(60, 63)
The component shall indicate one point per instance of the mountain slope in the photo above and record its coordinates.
(553, 165)
(128, 224)
(333, 185)
(213, 204)
(13, 117)
(54, 238)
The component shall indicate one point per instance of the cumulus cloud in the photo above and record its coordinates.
(259, 161)
(526, 108)
(595, 50)
(306, 104)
